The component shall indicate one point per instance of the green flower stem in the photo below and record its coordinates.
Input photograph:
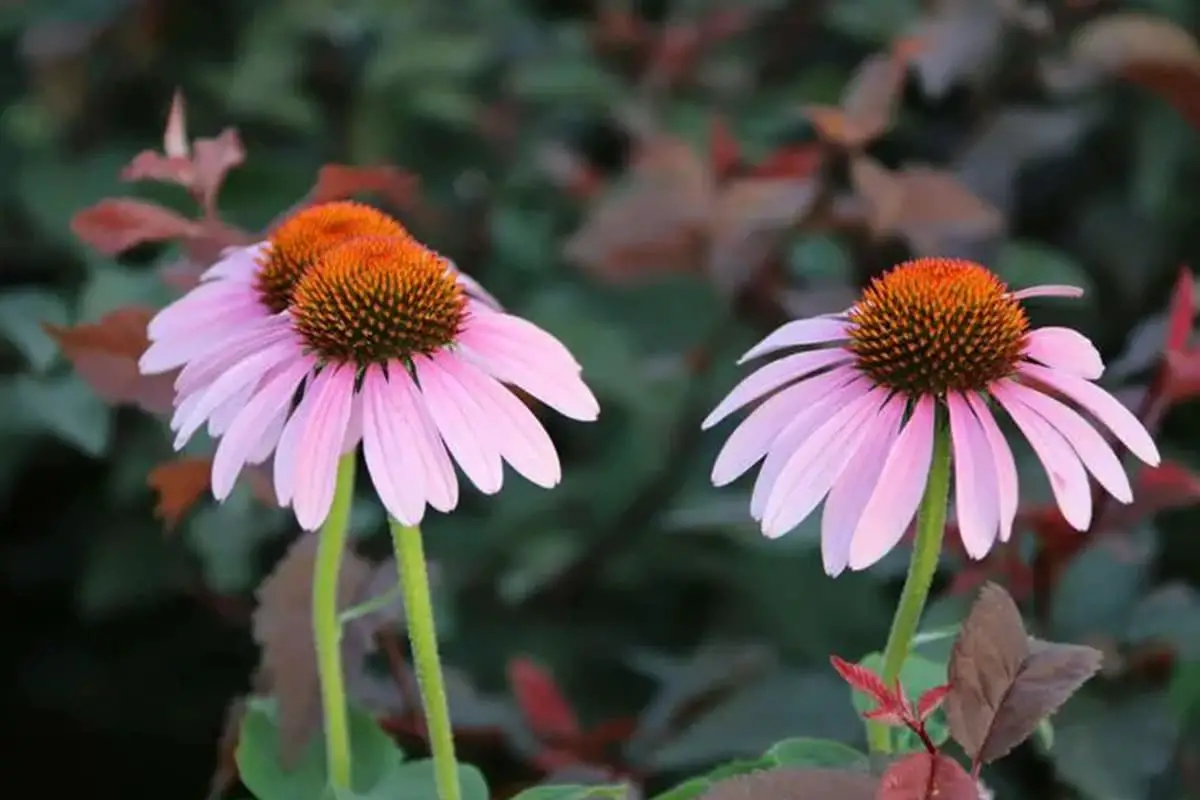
(327, 627)
(422, 634)
(931, 524)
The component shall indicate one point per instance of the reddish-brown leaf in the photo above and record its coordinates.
(724, 153)
(1002, 682)
(114, 225)
(926, 776)
(105, 354)
(864, 680)
(795, 161)
(795, 784)
(341, 182)
(150, 165)
(284, 632)
(1182, 312)
(656, 224)
(931, 701)
(1150, 51)
(212, 159)
(924, 206)
(868, 103)
(179, 483)
(751, 219)
(541, 702)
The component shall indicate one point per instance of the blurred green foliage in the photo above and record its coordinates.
(647, 594)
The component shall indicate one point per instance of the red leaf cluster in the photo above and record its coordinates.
(892, 706)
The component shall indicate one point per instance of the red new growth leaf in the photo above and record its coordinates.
(1182, 311)
(864, 680)
(1003, 683)
(113, 226)
(931, 701)
(179, 484)
(105, 354)
(213, 158)
(543, 705)
(341, 182)
(926, 776)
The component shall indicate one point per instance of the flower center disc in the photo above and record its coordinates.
(934, 325)
(374, 299)
(302, 239)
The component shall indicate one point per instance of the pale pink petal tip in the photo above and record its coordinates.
(1049, 290)
(1064, 349)
(817, 330)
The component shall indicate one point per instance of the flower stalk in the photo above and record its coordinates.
(422, 634)
(327, 628)
(931, 525)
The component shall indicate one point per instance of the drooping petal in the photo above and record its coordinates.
(237, 263)
(752, 439)
(815, 330)
(518, 337)
(976, 498)
(893, 503)
(771, 377)
(521, 439)
(287, 453)
(1066, 350)
(1049, 290)
(393, 464)
(416, 427)
(224, 414)
(320, 445)
(1103, 406)
(189, 313)
(249, 371)
(1068, 481)
(1004, 466)
(1095, 454)
(228, 351)
(532, 369)
(793, 436)
(245, 433)
(268, 439)
(853, 487)
(462, 424)
(816, 464)
(176, 350)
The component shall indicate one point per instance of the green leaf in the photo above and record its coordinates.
(1022, 264)
(378, 768)
(689, 790)
(1169, 615)
(1100, 588)
(1044, 735)
(22, 313)
(65, 407)
(917, 676)
(1184, 691)
(819, 259)
(572, 793)
(806, 752)
(415, 781)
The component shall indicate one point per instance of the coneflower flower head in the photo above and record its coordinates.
(850, 419)
(345, 329)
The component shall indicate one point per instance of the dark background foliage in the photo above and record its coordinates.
(657, 183)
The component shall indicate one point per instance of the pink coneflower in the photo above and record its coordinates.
(384, 345)
(851, 418)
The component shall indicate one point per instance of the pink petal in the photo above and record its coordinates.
(287, 453)
(1068, 481)
(769, 378)
(853, 487)
(519, 337)
(1050, 290)
(817, 463)
(894, 501)
(1097, 457)
(354, 427)
(269, 438)
(231, 350)
(976, 499)
(464, 426)
(751, 440)
(475, 289)
(794, 435)
(416, 427)
(169, 352)
(522, 440)
(237, 263)
(234, 380)
(245, 433)
(181, 316)
(1103, 406)
(816, 330)
(1066, 350)
(539, 370)
(1003, 465)
(320, 444)
(395, 467)
(224, 414)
